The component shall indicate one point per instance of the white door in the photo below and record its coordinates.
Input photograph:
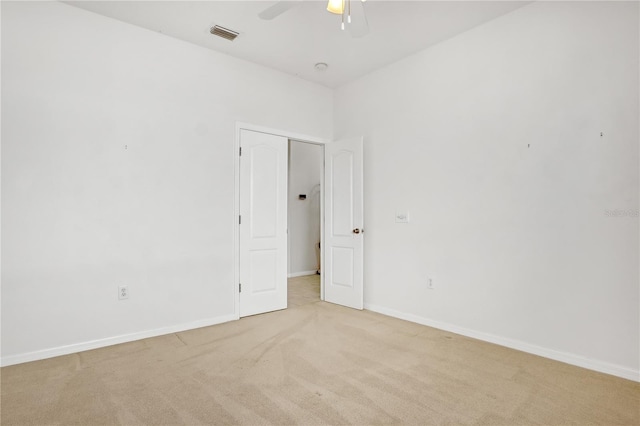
(263, 222)
(343, 259)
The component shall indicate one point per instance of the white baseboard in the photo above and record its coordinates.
(301, 274)
(591, 364)
(100, 343)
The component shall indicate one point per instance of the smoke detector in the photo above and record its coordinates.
(321, 66)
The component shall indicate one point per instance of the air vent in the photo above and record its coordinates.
(223, 32)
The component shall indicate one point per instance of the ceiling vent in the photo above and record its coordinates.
(223, 32)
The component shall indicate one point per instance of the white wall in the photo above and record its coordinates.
(492, 141)
(117, 168)
(305, 171)
(517, 238)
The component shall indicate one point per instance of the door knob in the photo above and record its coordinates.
(356, 231)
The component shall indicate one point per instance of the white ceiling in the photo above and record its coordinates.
(306, 33)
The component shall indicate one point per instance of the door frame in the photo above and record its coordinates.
(291, 136)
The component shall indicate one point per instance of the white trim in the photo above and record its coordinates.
(301, 274)
(289, 135)
(236, 225)
(322, 227)
(288, 212)
(236, 196)
(101, 343)
(579, 361)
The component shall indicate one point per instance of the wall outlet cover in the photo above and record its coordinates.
(123, 292)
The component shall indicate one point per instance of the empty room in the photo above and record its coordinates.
(311, 212)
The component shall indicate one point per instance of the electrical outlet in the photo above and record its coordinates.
(430, 284)
(123, 292)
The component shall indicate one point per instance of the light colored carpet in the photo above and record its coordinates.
(303, 290)
(314, 363)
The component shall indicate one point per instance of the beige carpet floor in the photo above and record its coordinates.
(314, 363)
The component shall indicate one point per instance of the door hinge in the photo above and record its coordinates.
(240, 288)
(239, 219)
(240, 151)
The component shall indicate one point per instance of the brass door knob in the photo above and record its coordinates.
(356, 231)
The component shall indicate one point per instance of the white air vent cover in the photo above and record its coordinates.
(223, 32)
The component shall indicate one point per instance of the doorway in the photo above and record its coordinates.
(261, 210)
(306, 163)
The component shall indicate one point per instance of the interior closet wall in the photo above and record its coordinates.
(305, 172)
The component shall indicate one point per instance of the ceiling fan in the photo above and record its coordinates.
(353, 16)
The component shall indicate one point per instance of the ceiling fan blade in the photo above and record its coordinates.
(276, 10)
(359, 26)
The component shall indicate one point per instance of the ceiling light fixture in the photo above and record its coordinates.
(336, 6)
(340, 7)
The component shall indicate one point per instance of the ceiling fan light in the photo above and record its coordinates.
(336, 6)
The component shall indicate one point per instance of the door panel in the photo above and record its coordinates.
(263, 173)
(342, 261)
(342, 206)
(263, 223)
(344, 222)
(263, 265)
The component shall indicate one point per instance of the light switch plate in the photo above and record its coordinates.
(402, 216)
